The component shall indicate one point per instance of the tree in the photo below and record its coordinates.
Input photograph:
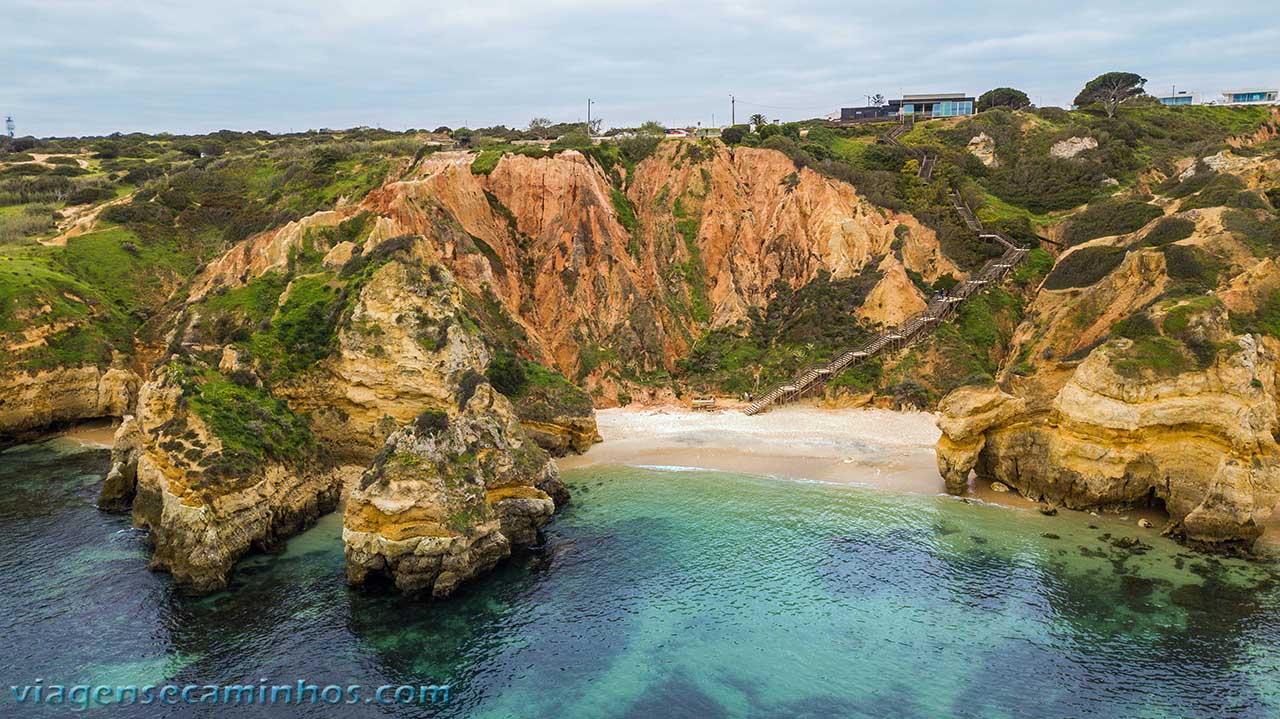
(1003, 97)
(1110, 89)
(733, 135)
(539, 124)
(652, 127)
(877, 100)
(758, 120)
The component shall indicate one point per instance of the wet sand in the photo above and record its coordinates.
(94, 433)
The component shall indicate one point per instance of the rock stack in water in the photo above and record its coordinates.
(448, 497)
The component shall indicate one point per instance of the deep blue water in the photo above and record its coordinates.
(663, 594)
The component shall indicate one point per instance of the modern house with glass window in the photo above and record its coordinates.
(921, 107)
(942, 104)
(1250, 97)
(1179, 98)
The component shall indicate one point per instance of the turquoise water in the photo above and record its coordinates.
(666, 594)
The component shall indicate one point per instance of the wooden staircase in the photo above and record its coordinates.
(941, 308)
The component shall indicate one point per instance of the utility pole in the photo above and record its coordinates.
(733, 110)
(8, 125)
(588, 117)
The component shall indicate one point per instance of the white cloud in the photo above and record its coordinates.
(92, 66)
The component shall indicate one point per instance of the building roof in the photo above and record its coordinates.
(1243, 92)
(936, 96)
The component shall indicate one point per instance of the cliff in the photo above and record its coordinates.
(449, 496)
(238, 449)
(1144, 373)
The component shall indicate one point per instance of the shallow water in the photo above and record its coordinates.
(672, 594)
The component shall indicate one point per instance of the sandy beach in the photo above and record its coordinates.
(869, 447)
(877, 448)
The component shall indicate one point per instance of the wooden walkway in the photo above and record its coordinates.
(940, 308)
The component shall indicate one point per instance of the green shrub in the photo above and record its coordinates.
(1188, 263)
(625, 210)
(1225, 191)
(506, 373)
(1161, 356)
(486, 161)
(1135, 326)
(1167, 231)
(1102, 219)
(253, 426)
(1177, 189)
(1260, 231)
(1084, 267)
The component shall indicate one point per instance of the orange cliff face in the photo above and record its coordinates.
(605, 284)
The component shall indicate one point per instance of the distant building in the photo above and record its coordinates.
(869, 112)
(1179, 98)
(942, 104)
(924, 107)
(1250, 97)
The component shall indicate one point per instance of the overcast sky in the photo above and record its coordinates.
(76, 67)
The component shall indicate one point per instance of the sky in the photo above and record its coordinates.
(89, 67)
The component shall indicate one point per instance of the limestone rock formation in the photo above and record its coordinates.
(1072, 146)
(964, 417)
(1117, 435)
(207, 496)
(34, 400)
(983, 147)
(121, 481)
(448, 497)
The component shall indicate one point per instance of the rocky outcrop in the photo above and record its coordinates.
(964, 417)
(231, 451)
(402, 351)
(34, 400)
(1125, 432)
(208, 499)
(448, 497)
(121, 482)
(983, 147)
(1072, 146)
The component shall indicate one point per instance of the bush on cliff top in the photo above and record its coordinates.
(1083, 267)
(253, 426)
(1167, 231)
(1101, 219)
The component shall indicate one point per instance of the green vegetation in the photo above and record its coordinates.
(1225, 191)
(1003, 97)
(1265, 321)
(253, 426)
(1259, 230)
(1167, 231)
(506, 373)
(304, 329)
(625, 210)
(1161, 356)
(547, 394)
(1110, 89)
(797, 328)
(1135, 326)
(1112, 217)
(1083, 267)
